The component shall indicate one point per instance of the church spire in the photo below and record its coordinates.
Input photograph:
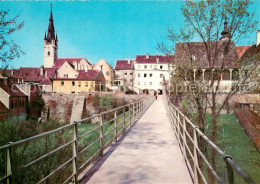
(51, 30)
(225, 33)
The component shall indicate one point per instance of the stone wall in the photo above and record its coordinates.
(59, 106)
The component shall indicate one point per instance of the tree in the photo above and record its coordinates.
(215, 52)
(8, 48)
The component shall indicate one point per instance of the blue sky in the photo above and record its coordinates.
(98, 29)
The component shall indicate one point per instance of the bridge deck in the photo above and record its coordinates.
(148, 154)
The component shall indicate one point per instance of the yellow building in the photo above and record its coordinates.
(84, 81)
(107, 70)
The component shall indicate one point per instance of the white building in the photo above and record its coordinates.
(124, 73)
(151, 72)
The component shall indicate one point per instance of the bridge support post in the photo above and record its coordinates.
(10, 164)
(75, 152)
(133, 112)
(101, 134)
(124, 119)
(227, 172)
(130, 116)
(115, 126)
(195, 156)
(178, 125)
(184, 137)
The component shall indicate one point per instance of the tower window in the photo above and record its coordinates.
(49, 53)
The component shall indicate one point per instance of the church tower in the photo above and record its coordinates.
(50, 44)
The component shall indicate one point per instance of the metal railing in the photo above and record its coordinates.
(110, 126)
(188, 136)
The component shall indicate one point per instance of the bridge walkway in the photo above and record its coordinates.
(148, 154)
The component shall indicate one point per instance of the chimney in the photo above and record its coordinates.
(5, 81)
(12, 72)
(86, 69)
(258, 37)
(157, 60)
(45, 76)
(147, 56)
(41, 71)
(128, 61)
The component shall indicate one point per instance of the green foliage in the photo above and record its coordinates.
(106, 102)
(9, 50)
(232, 138)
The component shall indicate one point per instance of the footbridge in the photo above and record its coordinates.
(148, 141)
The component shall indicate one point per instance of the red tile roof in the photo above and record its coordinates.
(33, 74)
(59, 61)
(89, 75)
(12, 89)
(46, 82)
(241, 50)
(123, 65)
(28, 74)
(251, 51)
(154, 59)
(196, 51)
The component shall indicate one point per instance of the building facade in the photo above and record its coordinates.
(13, 100)
(151, 72)
(107, 71)
(124, 73)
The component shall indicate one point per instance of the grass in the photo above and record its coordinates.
(34, 149)
(232, 139)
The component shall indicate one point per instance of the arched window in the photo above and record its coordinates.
(49, 53)
(73, 83)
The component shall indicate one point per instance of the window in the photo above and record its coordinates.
(79, 84)
(155, 66)
(139, 75)
(151, 66)
(145, 66)
(161, 75)
(73, 83)
(107, 73)
(131, 73)
(151, 83)
(151, 75)
(49, 53)
(139, 66)
(12, 104)
(62, 83)
(125, 73)
(145, 75)
(161, 67)
(86, 84)
(66, 75)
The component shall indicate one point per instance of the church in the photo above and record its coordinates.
(64, 75)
